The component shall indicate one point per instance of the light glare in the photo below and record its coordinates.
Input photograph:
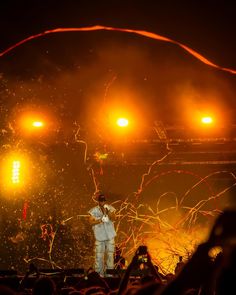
(122, 122)
(37, 124)
(15, 172)
(207, 120)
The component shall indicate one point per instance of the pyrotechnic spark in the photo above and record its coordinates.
(90, 169)
(137, 32)
(108, 87)
(54, 265)
(48, 235)
(156, 176)
(139, 223)
(151, 227)
(95, 182)
(140, 189)
(204, 180)
(77, 139)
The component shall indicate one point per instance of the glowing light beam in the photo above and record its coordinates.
(137, 32)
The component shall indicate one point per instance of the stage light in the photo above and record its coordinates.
(14, 171)
(122, 122)
(31, 124)
(37, 124)
(207, 120)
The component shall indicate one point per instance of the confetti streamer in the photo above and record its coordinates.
(137, 32)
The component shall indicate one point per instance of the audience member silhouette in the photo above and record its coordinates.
(44, 286)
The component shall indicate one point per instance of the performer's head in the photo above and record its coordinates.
(101, 199)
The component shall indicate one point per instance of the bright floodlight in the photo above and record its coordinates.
(15, 173)
(122, 122)
(33, 123)
(37, 124)
(207, 120)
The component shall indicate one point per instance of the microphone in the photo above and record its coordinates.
(106, 207)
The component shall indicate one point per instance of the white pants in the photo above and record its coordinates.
(104, 251)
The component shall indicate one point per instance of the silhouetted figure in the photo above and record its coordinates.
(4, 290)
(201, 274)
(119, 260)
(44, 286)
(179, 265)
(141, 257)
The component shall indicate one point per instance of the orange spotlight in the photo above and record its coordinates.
(37, 124)
(207, 120)
(33, 124)
(29, 123)
(122, 122)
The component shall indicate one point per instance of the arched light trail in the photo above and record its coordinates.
(137, 32)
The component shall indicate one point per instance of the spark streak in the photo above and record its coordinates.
(137, 32)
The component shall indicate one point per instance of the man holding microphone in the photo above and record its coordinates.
(101, 218)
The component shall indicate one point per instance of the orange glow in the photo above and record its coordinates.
(166, 248)
(118, 123)
(14, 172)
(16, 166)
(122, 122)
(37, 124)
(34, 122)
(207, 120)
(31, 122)
(213, 252)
